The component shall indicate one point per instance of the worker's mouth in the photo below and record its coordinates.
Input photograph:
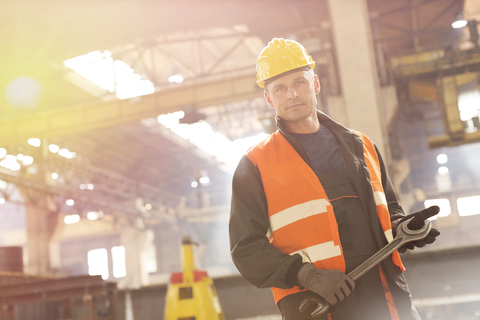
(293, 106)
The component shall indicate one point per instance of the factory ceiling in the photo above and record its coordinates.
(119, 145)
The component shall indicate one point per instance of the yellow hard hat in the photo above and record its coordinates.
(280, 56)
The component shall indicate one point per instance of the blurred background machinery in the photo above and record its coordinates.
(191, 293)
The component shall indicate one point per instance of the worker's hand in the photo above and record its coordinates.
(417, 223)
(332, 285)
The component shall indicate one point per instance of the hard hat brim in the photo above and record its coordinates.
(268, 81)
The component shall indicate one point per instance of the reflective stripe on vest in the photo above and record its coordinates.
(301, 216)
(373, 165)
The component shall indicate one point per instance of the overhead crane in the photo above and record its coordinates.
(435, 76)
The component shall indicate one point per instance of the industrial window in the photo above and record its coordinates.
(108, 74)
(444, 205)
(98, 263)
(151, 259)
(118, 262)
(469, 105)
(468, 206)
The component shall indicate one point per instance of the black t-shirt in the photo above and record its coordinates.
(322, 147)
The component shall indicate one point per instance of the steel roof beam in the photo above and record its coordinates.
(82, 118)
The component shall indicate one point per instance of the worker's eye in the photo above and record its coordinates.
(300, 82)
(279, 89)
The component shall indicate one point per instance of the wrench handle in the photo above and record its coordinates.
(376, 259)
(404, 235)
(324, 306)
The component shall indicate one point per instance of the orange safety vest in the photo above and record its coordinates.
(301, 216)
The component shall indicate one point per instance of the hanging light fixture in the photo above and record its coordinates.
(176, 77)
(459, 22)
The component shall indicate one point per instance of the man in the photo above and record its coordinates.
(313, 201)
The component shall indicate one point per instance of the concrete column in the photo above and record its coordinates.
(361, 101)
(41, 213)
(136, 242)
(40, 226)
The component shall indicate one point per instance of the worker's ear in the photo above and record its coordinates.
(269, 100)
(316, 84)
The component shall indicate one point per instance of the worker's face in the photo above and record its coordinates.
(294, 96)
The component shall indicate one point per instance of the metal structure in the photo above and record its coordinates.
(84, 297)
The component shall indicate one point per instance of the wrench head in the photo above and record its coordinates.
(322, 306)
(413, 235)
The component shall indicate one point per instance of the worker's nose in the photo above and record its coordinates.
(292, 93)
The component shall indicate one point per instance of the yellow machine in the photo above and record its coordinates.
(191, 294)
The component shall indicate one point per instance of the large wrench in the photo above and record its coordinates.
(404, 235)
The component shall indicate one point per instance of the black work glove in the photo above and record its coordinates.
(332, 285)
(417, 223)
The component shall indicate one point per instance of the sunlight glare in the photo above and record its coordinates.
(202, 135)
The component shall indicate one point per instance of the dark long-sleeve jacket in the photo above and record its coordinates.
(256, 258)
